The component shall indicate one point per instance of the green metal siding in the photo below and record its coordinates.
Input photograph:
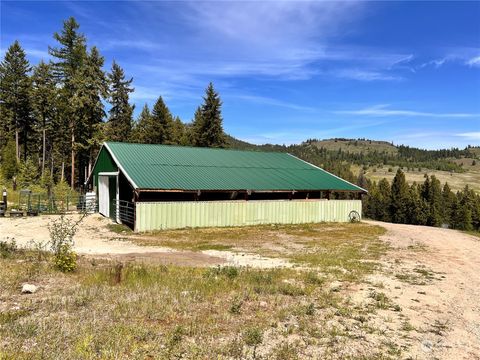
(104, 163)
(177, 215)
(186, 168)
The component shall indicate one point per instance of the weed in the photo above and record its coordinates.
(229, 272)
(286, 351)
(381, 299)
(119, 228)
(439, 327)
(253, 337)
(310, 309)
(7, 248)
(236, 305)
(312, 278)
(7, 317)
(290, 290)
(406, 326)
(234, 349)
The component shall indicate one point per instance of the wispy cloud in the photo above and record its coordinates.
(460, 56)
(474, 135)
(475, 61)
(366, 75)
(384, 110)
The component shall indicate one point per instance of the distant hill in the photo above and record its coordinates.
(356, 146)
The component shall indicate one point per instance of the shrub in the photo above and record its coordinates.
(62, 232)
(229, 272)
(7, 248)
(66, 259)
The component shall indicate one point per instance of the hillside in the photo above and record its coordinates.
(356, 146)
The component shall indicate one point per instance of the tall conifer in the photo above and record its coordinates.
(120, 121)
(15, 107)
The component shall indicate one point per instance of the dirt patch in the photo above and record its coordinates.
(184, 258)
(433, 275)
(95, 239)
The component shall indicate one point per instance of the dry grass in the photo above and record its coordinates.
(358, 146)
(169, 312)
(347, 250)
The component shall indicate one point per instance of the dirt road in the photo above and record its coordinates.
(442, 296)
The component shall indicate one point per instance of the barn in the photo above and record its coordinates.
(152, 187)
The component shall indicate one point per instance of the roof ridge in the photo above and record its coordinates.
(198, 147)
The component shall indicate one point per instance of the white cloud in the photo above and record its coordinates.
(384, 110)
(475, 61)
(474, 135)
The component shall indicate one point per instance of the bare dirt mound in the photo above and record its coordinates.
(435, 278)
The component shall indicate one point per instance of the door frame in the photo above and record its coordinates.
(117, 195)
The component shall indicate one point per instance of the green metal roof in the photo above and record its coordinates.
(170, 167)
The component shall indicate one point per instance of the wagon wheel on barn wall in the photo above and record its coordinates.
(354, 216)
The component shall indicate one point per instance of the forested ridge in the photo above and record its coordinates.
(53, 120)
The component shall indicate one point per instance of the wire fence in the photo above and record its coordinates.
(34, 204)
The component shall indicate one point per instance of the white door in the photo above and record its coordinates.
(103, 196)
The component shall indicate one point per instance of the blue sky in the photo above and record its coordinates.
(407, 72)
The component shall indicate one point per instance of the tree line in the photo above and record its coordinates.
(53, 118)
(428, 203)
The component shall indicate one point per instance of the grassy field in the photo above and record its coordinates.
(171, 312)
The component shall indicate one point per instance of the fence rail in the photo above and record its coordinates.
(126, 211)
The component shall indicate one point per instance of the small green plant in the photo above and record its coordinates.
(62, 232)
(381, 300)
(253, 337)
(236, 305)
(175, 336)
(310, 309)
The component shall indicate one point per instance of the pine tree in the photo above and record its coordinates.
(385, 195)
(28, 174)
(140, 129)
(120, 121)
(70, 56)
(15, 108)
(91, 89)
(160, 127)
(463, 214)
(179, 132)
(9, 164)
(432, 193)
(399, 198)
(44, 98)
(195, 133)
(210, 133)
(448, 202)
(418, 208)
(362, 180)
